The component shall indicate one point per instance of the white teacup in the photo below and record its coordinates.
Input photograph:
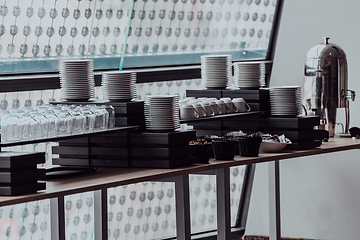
(241, 105)
(199, 109)
(188, 112)
(230, 105)
(224, 108)
(216, 109)
(206, 106)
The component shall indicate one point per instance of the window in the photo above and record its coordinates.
(35, 34)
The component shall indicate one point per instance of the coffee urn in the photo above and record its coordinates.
(326, 84)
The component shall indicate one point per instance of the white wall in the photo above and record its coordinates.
(320, 196)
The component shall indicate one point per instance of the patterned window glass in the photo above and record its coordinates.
(180, 31)
(35, 34)
(79, 216)
(29, 220)
(147, 210)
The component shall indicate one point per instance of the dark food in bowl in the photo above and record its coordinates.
(202, 150)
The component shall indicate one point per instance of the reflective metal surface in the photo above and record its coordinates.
(326, 83)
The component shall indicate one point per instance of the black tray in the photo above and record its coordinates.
(130, 121)
(82, 141)
(132, 108)
(109, 162)
(109, 151)
(60, 172)
(71, 150)
(19, 160)
(14, 190)
(165, 138)
(278, 123)
(248, 95)
(204, 93)
(71, 161)
(13, 177)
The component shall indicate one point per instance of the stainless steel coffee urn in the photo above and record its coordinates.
(326, 84)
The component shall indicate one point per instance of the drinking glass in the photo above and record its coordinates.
(79, 121)
(42, 126)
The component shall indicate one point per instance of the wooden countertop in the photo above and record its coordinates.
(112, 177)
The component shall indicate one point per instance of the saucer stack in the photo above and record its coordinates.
(285, 101)
(216, 70)
(249, 75)
(119, 85)
(77, 79)
(162, 112)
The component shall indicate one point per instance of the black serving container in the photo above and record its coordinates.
(249, 146)
(223, 149)
(202, 152)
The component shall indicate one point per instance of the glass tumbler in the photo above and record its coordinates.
(79, 122)
(89, 120)
(42, 127)
(54, 123)
(27, 127)
(65, 123)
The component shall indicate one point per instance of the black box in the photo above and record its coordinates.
(85, 162)
(71, 150)
(130, 121)
(20, 160)
(259, 95)
(109, 151)
(13, 190)
(204, 93)
(84, 141)
(301, 122)
(23, 176)
(165, 138)
(95, 162)
(133, 108)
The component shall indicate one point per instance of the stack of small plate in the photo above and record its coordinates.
(285, 101)
(77, 79)
(249, 75)
(119, 85)
(162, 112)
(216, 70)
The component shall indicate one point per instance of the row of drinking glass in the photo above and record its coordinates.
(47, 121)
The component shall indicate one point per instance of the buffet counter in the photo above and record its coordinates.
(105, 178)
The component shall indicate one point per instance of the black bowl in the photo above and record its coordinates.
(223, 150)
(249, 146)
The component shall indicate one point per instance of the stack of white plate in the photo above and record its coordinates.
(249, 75)
(119, 85)
(77, 79)
(285, 101)
(216, 70)
(162, 112)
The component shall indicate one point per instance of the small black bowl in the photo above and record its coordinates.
(249, 146)
(223, 150)
(202, 152)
